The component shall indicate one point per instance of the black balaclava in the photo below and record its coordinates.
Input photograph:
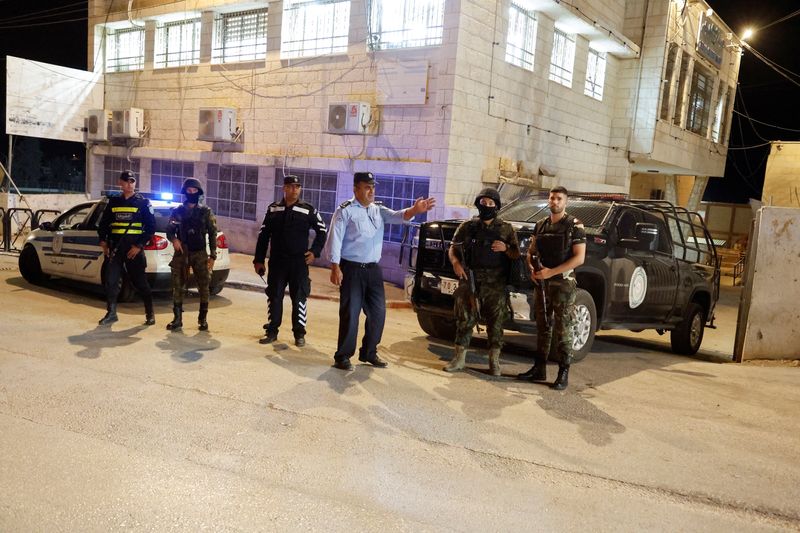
(486, 212)
(193, 198)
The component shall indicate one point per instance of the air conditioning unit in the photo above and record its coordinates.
(349, 118)
(216, 124)
(97, 125)
(127, 123)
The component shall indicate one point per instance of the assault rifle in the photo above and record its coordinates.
(474, 301)
(536, 263)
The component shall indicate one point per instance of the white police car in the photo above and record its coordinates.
(69, 248)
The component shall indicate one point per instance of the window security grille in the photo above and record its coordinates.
(562, 60)
(399, 192)
(699, 101)
(314, 28)
(319, 189)
(521, 39)
(595, 74)
(232, 190)
(113, 166)
(168, 176)
(178, 44)
(240, 36)
(405, 23)
(124, 50)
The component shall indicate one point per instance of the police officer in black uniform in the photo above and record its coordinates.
(286, 227)
(126, 226)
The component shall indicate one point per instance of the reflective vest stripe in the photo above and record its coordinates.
(124, 209)
(127, 231)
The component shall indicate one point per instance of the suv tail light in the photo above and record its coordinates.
(222, 242)
(157, 242)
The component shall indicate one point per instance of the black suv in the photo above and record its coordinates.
(649, 265)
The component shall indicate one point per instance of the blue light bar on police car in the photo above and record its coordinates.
(166, 196)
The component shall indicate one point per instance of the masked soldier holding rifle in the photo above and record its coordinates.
(481, 252)
(559, 244)
(191, 225)
(127, 224)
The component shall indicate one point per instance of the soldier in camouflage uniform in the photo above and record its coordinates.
(191, 225)
(482, 248)
(559, 241)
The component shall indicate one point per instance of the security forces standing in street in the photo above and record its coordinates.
(126, 226)
(560, 242)
(354, 249)
(191, 226)
(481, 252)
(286, 227)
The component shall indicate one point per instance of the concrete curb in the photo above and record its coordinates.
(254, 287)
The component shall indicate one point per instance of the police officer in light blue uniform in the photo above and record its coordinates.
(354, 246)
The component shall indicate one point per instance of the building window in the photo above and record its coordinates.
(232, 190)
(240, 36)
(699, 101)
(113, 167)
(672, 56)
(124, 50)
(178, 44)
(521, 38)
(399, 192)
(719, 129)
(595, 75)
(563, 58)
(314, 28)
(319, 189)
(405, 23)
(168, 176)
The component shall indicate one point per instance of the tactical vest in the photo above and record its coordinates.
(479, 247)
(193, 228)
(553, 243)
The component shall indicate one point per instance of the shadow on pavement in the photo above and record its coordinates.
(185, 348)
(102, 338)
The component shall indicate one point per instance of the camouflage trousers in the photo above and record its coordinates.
(198, 262)
(493, 301)
(560, 305)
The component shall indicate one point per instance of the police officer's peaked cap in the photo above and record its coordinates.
(291, 180)
(488, 192)
(363, 177)
(126, 175)
(192, 182)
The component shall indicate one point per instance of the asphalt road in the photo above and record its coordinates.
(136, 428)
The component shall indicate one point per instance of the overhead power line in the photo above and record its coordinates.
(787, 17)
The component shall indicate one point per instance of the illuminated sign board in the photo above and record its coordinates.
(710, 40)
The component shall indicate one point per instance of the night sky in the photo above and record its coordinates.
(764, 95)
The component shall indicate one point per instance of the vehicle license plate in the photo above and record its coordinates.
(448, 286)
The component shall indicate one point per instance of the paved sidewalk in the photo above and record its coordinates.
(242, 276)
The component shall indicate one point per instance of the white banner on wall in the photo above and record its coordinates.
(49, 101)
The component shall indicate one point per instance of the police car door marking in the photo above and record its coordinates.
(638, 288)
(58, 242)
(301, 210)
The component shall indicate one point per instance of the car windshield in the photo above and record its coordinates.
(591, 213)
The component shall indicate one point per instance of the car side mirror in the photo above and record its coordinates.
(47, 226)
(647, 235)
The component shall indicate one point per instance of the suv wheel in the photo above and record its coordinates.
(29, 266)
(437, 325)
(688, 335)
(584, 326)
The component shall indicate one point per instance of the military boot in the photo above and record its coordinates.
(177, 320)
(494, 361)
(111, 315)
(201, 317)
(538, 372)
(456, 364)
(149, 315)
(561, 381)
